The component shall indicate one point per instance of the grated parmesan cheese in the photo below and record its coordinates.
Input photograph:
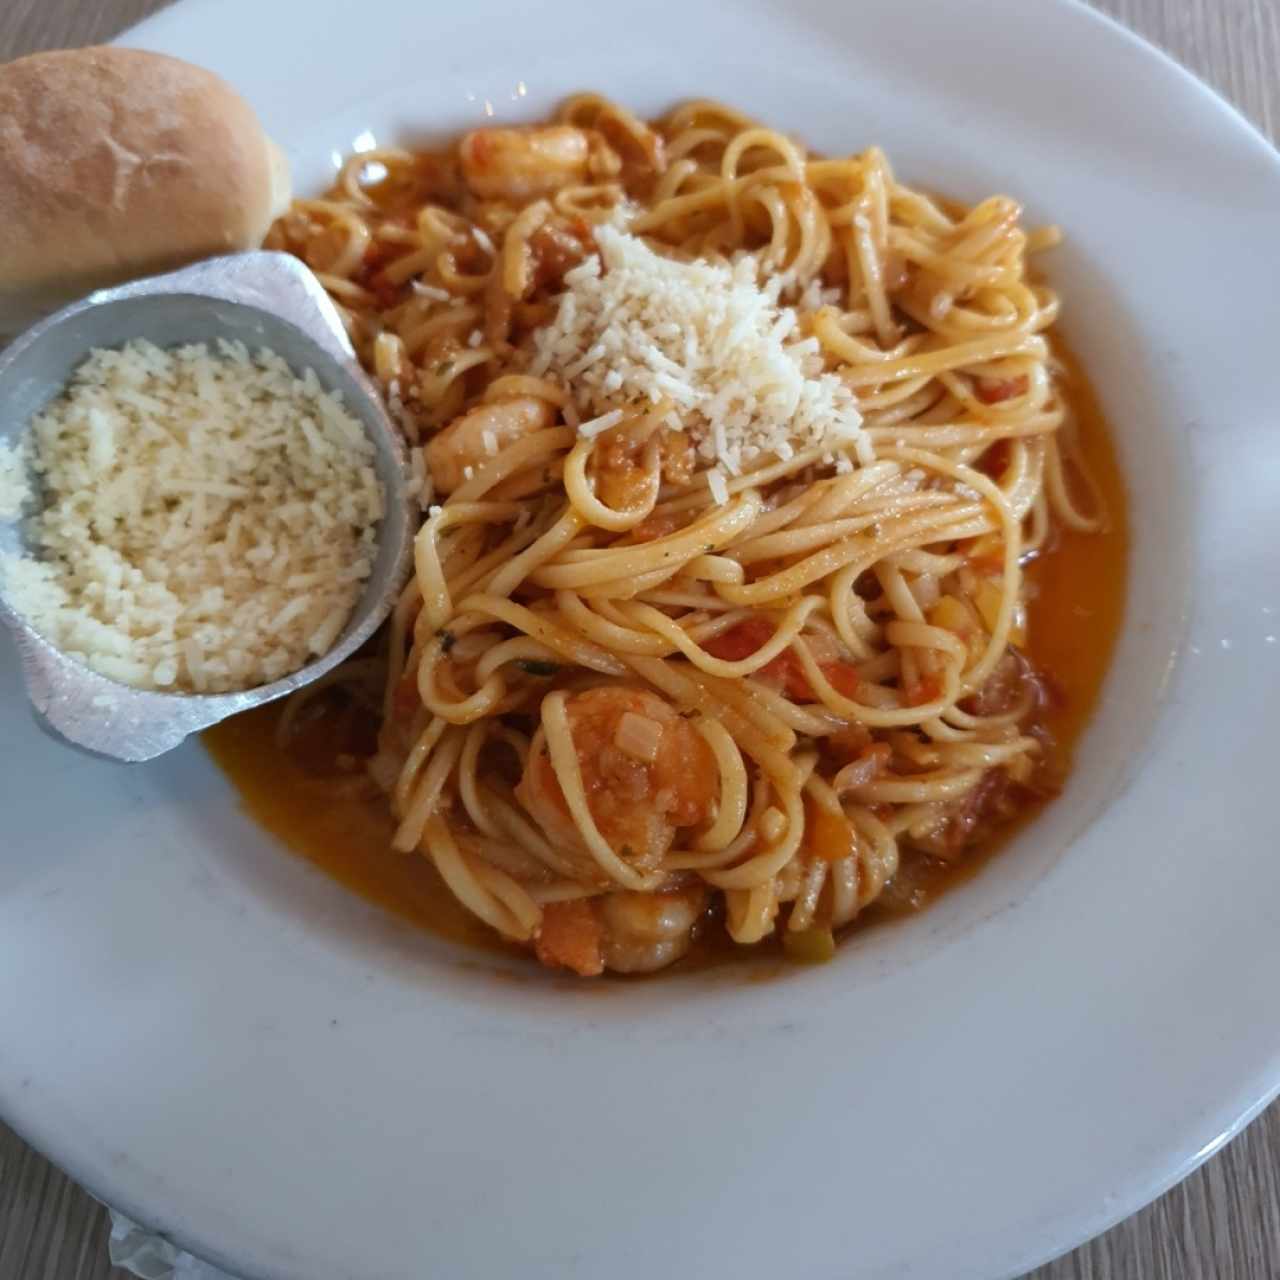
(14, 490)
(417, 482)
(208, 519)
(638, 328)
(815, 295)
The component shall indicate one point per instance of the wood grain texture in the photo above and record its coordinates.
(1222, 1223)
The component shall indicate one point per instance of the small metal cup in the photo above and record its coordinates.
(263, 300)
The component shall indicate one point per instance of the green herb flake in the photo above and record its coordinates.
(537, 667)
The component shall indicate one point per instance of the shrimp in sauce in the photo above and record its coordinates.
(519, 164)
(479, 434)
(622, 465)
(647, 773)
(624, 932)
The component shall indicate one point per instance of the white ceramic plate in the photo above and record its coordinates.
(220, 1041)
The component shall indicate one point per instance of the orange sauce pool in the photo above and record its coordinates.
(1074, 617)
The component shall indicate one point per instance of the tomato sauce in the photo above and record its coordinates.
(343, 826)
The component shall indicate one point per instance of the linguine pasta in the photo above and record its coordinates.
(632, 690)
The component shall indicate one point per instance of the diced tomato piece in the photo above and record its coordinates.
(786, 669)
(741, 641)
(994, 390)
(846, 745)
(842, 677)
(745, 639)
(571, 937)
(748, 637)
(928, 690)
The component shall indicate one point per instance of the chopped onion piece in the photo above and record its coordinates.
(638, 736)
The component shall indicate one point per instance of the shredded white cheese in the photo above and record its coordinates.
(208, 518)
(597, 426)
(14, 489)
(634, 327)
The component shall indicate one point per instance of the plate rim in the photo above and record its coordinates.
(1228, 1117)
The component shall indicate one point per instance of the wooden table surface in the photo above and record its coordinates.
(1222, 1223)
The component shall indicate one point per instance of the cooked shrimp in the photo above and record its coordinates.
(626, 932)
(646, 771)
(518, 164)
(557, 247)
(621, 471)
(647, 931)
(476, 436)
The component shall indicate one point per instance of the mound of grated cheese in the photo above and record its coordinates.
(634, 327)
(206, 519)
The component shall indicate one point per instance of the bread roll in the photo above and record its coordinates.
(115, 164)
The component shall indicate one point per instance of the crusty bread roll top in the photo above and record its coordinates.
(115, 164)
